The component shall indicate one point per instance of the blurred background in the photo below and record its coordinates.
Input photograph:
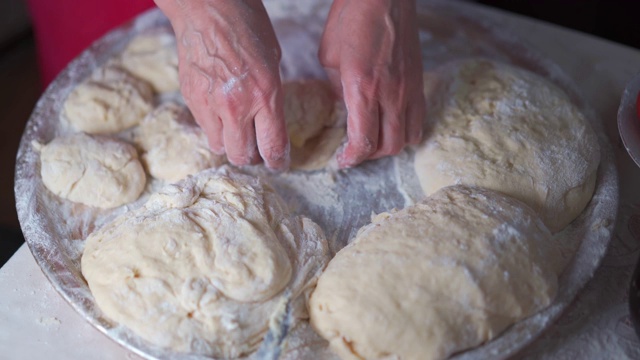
(35, 44)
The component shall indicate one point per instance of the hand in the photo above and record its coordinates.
(371, 51)
(230, 78)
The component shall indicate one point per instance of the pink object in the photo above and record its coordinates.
(63, 28)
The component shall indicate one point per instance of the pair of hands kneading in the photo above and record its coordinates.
(229, 76)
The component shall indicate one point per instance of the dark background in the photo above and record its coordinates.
(20, 86)
(617, 20)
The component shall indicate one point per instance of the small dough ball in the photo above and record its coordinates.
(315, 124)
(110, 101)
(92, 170)
(436, 278)
(153, 57)
(509, 130)
(204, 264)
(172, 145)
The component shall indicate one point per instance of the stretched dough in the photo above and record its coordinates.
(315, 123)
(204, 264)
(109, 101)
(92, 170)
(172, 145)
(509, 130)
(436, 278)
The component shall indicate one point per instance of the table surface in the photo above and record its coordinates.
(36, 323)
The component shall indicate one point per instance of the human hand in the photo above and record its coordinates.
(230, 79)
(371, 51)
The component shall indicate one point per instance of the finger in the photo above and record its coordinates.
(240, 141)
(416, 111)
(392, 132)
(211, 124)
(362, 127)
(271, 135)
(214, 131)
(329, 49)
(194, 86)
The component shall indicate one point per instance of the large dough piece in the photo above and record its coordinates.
(506, 129)
(436, 278)
(204, 264)
(92, 170)
(315, 123)
(172, 145)
(111, 100)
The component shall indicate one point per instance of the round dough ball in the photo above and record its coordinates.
(109, 101)
(506, 129)
(203, 266)
(172, 145)
(315, 123)
(153, 57)
(436, 278)
(92, 170)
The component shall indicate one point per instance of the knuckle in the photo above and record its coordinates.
(232, 105)
(265, 98)
(329, 54)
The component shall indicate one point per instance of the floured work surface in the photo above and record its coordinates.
(339, 202)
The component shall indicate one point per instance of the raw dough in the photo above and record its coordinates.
(111, 100)
(204, 264)
(438, 277)
(92, 170)
(172, 145)
(315, 123)
(506, 129)
(153, 57)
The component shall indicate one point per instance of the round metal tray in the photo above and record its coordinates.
(340, 202)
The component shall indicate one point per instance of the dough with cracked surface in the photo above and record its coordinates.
(109, 101)
(506, 129)
(315, 123)
(441, 276)
(153, 57)
(172, 145)
(92, 170)
(204, 264)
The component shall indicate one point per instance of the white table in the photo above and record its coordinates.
(36, 323)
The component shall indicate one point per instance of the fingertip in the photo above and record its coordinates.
(279, 160)
(217, 150)
(393, 131)
(213, 132)
(345, 161)
(362, 127)
(272, 139)
(240, 143)
(415, 122)
(357, 150)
